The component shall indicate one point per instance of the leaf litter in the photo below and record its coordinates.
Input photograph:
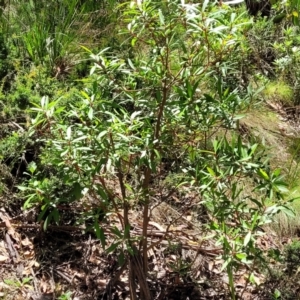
(63, 260)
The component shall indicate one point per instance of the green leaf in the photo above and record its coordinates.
(241, 256)
(12, 282)
(101, 134)
(102, 192)
(117, 232)
(43, 212)
(131, 64)
(26, 280)
(32, 167)
(80, 139)
(23, 188)
(161, 17)
(226, 263)
(133, 41)
(91, 113)
(46, 222)
(69, 131)
(130, 250)
(121, 258)
(55, 215)
(281, 188)
(277, 294)
(211, 172)
(277, 172)
(288, 211)
(124, 137)
(253, 279)
(204, 5)
(100, 233)
(86, 49)
(28, 202)
(112, 247)
(126, 231)
(44, 102)
(196, 86)
(263, 174)
(76, 190)
(134, 114)
(93, 69)
(189, 89)
(247, 238)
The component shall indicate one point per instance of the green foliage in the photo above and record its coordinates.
(279, 91)
(17, 283)
(261, 39)
(292, 257)
(294, 10)
(286, 46)
(4, 62)
(12, 154)
(48, 31)
(282, 280)
(65, 296)
(28, 86)
(224, 172)
(169, 90)
(9, 144)
(181, 267)
(274, 49)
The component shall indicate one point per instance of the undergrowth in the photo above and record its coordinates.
(169, 103)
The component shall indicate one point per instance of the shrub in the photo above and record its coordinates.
(163, 102)
(292, 257)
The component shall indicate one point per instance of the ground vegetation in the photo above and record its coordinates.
(149, 150)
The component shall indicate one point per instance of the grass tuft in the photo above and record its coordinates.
(279, 91)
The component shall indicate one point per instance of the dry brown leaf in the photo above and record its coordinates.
(27, 242)
(43, 296)
(173, 257)
(3, 286)
(241, 282)
(124, 278)
(28, 254)
(27, 271)
(2, 245)
(161, 274)
(44, 288)
(156, 225)
(211, 265)
(94, 260)
(189, 218)
(36, 264)
(3, 258)
(101, 282)
(10, 230)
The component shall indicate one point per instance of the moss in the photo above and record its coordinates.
(271, 116)
(279, 91)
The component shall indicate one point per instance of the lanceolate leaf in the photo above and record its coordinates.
(263, 174)
(247, 238)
